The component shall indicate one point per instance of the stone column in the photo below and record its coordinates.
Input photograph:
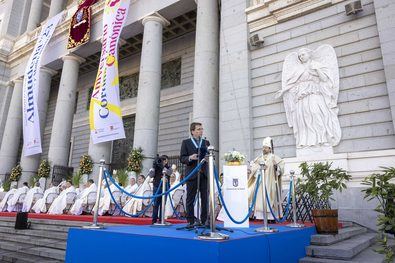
(59, 146)
(34, 15)
(30, 163)
(56, 7)
(97, 152)
(205, 79)
(148, 98)
(5, 105)
(12, 131)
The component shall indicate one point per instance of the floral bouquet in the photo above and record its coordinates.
(86, 164)
(234, 158)
(16, 173)
(135, 160)
(44, 169)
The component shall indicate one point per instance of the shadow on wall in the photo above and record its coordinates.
(353, 207)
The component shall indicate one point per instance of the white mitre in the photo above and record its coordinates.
(267, 142)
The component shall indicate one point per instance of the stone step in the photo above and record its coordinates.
(38, 226)
(366, 256)
(35, 233)
(344, 233)
(345, 249)
(36, 241)
(47, 221)
(17, 257)
(46, 252)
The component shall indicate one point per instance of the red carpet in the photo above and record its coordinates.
(121, 219)
(89, 218)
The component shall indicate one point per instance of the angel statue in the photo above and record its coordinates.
(310, 88)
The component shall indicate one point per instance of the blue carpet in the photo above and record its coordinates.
(153, 244)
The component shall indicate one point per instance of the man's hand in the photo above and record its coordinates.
(193, 157)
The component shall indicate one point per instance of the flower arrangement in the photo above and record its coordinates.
(234, 158)
(16, 173)
(86, 164)
(44, 169)
(135, 160)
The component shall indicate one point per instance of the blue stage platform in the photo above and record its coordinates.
(153, 244)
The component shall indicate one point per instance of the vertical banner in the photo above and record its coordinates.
(105, 116)
(31, 120)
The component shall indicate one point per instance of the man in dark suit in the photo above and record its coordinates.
(193, 150)
(160, 166)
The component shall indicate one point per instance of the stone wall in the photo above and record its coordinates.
(364, 106)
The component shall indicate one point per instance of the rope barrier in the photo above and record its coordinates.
(223, 202)
(108, 175)
(175, 212)
(120, 207)
(287, 210)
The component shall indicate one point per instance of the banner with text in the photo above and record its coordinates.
(31, 120)
(105, 116)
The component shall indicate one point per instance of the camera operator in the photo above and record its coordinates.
(160, 167)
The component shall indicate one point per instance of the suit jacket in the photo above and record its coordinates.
(187, 149)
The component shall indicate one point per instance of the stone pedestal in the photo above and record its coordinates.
(148, 98)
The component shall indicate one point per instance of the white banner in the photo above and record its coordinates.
(31, 120)
(235, 191)
(105, 116)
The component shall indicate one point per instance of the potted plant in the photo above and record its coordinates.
(86, 167)
(319, 181)
(16, 173)
(6, 185)
(234, 158)
(380, 186)
(135, 160)
(76, 179)
(122, 177)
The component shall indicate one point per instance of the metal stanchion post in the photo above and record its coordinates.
(294, 224)
(95, 225)
(265, 228)
(212, 235)
(163, 205)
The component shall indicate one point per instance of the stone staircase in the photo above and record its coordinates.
(354, 243)
(45, 242)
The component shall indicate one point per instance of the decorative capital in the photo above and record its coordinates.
(71, 56)
(157, 18)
